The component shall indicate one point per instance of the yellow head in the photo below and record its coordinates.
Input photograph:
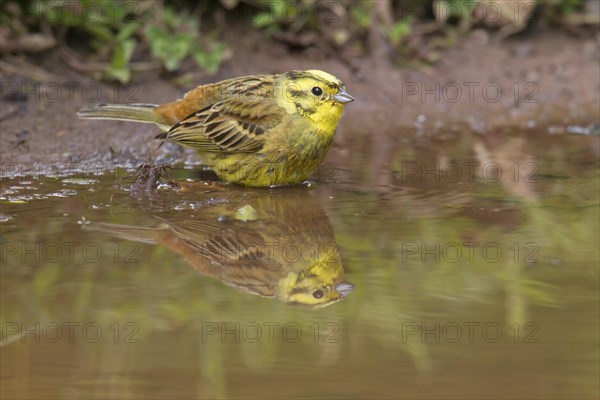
(317, 286)
(315, 95)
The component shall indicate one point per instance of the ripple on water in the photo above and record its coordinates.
(63, 193)
(80, 181)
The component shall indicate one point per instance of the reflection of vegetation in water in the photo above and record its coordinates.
(471, 242)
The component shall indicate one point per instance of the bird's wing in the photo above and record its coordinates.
(237, 257)
(238, 123)
(219, 242)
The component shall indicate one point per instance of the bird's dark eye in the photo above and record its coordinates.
(317, 294)
(317, 91)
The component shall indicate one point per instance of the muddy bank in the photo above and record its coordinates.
(543, 82)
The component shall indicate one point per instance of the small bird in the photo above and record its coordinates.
(258, 131)
(285, 248)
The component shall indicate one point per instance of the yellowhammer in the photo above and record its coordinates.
(259, 130)
(287, 250)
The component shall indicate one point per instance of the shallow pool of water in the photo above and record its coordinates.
(475, 265)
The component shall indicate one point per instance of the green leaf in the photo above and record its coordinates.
(154, 34)
(128, 29)
(100, 32)
(119, 66)
(172, 20)
(399, 30)
(263, 20)
(170, 49)
(361, 15)
(209, 61)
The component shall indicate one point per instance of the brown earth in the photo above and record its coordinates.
(544, 81)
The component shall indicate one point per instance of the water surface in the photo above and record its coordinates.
(475, 263)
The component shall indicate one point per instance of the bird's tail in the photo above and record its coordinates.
(124, 112)
(127, 232)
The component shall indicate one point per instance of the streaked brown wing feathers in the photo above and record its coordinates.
(236, 124)
(235, 256)
(210, 130)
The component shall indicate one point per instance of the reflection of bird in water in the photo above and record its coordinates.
(270, 243)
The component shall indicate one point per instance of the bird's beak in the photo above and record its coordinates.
(344, 288)
(343, 97)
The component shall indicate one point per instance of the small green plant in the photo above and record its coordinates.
(360, 14)
(111, 27)
(178, 38)
(566, 7)
(288, 15)
(396, 32)
(116, 29)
